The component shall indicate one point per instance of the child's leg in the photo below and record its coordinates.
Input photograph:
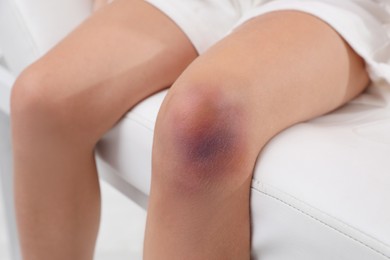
(65, 102)
(274, 71)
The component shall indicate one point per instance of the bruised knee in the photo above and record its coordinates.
(206, 139)
(203, 134)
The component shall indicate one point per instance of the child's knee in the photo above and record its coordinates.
(40, 106)
(203, 134)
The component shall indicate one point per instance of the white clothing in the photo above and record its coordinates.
(364, 24)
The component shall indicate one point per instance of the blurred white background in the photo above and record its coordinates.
(4, 254)
(121, 230)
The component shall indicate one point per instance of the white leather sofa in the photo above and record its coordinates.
(320, 191)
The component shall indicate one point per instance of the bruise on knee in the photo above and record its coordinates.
(210, 147)
(202, 142)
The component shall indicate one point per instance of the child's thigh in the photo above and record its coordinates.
(123, 53)
(277, 70)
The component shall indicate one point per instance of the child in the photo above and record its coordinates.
(240, 72)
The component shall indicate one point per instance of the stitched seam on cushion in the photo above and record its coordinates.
(258, 184)
(24, 25)
(322, 222)
(139, 121)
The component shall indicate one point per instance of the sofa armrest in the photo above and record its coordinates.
(6, 81)
(28, 28)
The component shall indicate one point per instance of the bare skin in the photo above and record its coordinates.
(274, 71)
(65, 102)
